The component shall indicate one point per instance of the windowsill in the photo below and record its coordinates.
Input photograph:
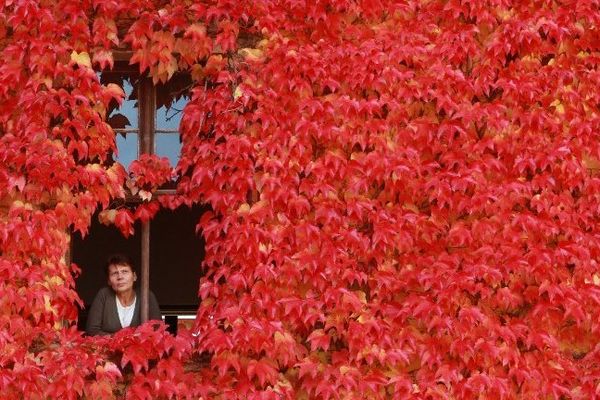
(129, 198)
(179, 310)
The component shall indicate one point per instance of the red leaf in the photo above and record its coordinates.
(264, 369)
(124, 221)
(319, 339)
(146, 211)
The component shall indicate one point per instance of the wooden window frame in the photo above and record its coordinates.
(147, 132)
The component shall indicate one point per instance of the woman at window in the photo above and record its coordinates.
(118, 306)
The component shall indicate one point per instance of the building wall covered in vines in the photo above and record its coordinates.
(404, 197)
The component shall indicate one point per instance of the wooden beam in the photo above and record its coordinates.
(147, 104)
(145, 288)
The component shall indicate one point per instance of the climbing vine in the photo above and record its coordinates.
(404, 197)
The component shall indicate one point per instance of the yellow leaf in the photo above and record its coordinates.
(263, 248)
(56, 281)
(278, 337)
(583, 54)
(558, 106)
(47, 306)
(282, 337)
(344, 369)
(505, 14)
(93, 168)
(237, 93)
(555, 365)
(145, 195)
(357, 156)
(107, 217)
(82, 59)
(251, 54)
(362, 296)
(19, 204)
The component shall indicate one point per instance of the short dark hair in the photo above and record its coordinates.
(118, 259)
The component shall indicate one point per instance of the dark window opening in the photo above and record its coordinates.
(176, 255)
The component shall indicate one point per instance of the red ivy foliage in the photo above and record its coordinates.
(404, 197)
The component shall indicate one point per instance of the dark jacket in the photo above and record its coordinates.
(103, 318)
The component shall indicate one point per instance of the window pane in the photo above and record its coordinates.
(168, 145)
(124, 116)
(171, 98)
(127, 148)
(169, 118)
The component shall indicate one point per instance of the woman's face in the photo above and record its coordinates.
(121, 278)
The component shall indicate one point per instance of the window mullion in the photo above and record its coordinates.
(147, 115)
(147, 104)
(145, 285)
